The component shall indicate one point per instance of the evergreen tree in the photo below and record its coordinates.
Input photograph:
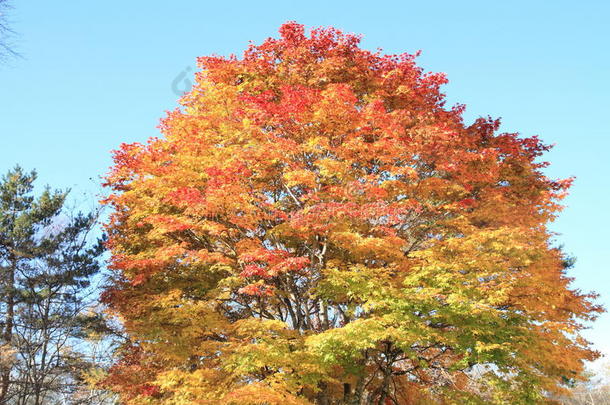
(47, 262)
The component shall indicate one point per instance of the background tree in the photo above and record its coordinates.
(315, 226)
(47, 261)
(5, 31)
(593, 390)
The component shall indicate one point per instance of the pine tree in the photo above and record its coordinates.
(47, 261)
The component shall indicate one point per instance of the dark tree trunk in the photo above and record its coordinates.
(7, 333)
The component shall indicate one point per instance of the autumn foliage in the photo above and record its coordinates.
(315, 226)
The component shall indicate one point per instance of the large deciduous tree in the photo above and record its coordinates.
(315, 226)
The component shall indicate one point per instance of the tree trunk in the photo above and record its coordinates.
(322, 396)
(7, 333)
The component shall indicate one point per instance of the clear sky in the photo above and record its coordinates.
(96, 74)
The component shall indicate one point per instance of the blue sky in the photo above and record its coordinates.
(96, 74)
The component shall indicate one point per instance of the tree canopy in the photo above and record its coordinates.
(316, 226)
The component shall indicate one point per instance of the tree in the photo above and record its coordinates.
(5, 32)
(316, 227)
(47, 260)
(592, 389)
